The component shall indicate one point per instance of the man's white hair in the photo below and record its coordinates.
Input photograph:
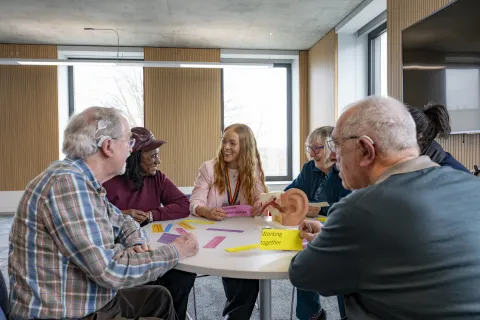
(385, 120)
(83, 131)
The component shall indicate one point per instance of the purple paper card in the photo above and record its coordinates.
(168, 238)
(237, 211)
(225, 230)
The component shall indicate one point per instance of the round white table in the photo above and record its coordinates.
(264, 265)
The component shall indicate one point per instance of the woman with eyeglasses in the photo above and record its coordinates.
(146, 194)
(320, 181)
(319, 172)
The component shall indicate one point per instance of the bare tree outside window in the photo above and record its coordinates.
(110, 86)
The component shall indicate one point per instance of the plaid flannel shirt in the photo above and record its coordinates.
(68, 247)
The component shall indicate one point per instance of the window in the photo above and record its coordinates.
(377, 69)
(108, 86)
(261, 99)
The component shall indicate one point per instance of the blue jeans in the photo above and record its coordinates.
(341, 306)
(308, 304)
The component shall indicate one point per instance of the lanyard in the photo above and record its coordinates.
(232, 198)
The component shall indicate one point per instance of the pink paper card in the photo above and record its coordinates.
(181, 231)
(237, 211)
(214, 242)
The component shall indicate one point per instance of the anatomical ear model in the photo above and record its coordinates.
(288, 208)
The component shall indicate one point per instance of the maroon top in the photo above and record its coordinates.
(157, 190)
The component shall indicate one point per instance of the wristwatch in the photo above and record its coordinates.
(150, 216)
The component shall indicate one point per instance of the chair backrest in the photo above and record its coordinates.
(3, 295)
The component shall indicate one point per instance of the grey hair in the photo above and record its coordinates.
(386, 120)
(321, 135)
(81, 136)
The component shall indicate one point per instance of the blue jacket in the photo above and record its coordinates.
(450, 161)
(318, 186)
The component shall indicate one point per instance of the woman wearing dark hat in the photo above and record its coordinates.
(147, 195)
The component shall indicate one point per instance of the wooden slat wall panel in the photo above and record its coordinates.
(304, 109)
(28, 116)
(322, 81)
(183, 107)
(400, 15)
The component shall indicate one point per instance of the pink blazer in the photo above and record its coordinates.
(206, 194)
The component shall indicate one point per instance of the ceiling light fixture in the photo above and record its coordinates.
(135, 63)
(423, 67)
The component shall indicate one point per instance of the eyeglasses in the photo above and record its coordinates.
(332, 144)
(130, 142)
(315, 150)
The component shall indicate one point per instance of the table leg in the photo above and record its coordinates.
(265, 299)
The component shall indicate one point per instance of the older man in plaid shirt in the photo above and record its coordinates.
(72, 253)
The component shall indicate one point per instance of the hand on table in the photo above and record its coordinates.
(186, 245)
(309, 229)
(216, 214)
(137, 215)
(140, 248)
(256, 210)
(313, 211)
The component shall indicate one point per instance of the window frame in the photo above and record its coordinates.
(374, 34)
(71, 81)
(288, 67)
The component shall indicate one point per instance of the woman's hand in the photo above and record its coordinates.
(313, 211)
(256, 209)
(137, 215)
(215, 214)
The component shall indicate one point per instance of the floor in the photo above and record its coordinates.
(209, 291)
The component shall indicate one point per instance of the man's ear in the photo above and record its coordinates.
(106, 148)
(366, 151)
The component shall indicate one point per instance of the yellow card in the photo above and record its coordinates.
(200, 221)
(322, 219)
(243, 248)
(157, 228)
(186, 225)
(280, 239)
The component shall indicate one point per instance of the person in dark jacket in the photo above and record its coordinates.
(319, 178)
(405, 244)
(431, 121)
(320, 181)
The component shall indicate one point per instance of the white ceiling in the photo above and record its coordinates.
(236, 24)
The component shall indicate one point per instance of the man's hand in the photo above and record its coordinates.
(137, 215)
(140, 248)
(309, 229)
(186, 245)
(313, 211)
